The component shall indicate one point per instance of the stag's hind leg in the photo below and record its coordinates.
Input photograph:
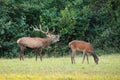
(21, 53)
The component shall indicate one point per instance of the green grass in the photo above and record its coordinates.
(61, 68)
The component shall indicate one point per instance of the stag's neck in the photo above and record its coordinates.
(47, 42)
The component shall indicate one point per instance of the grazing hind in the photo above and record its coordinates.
(85, 47)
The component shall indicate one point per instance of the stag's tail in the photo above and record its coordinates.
(96, 59)
(18, 40)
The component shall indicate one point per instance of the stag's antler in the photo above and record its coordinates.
(53, 30)
(40, 29)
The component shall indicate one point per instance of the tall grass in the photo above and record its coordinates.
(61, 68)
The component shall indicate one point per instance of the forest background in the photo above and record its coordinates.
(94, 21)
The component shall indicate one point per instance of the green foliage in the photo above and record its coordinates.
(95, 21)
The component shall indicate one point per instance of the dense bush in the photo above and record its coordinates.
(95, 21)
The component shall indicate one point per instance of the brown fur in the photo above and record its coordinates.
(37, 44)
(85, 47)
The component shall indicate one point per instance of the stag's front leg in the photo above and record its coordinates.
(40, 53)
(36, 53)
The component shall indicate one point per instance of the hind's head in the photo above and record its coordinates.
(96, 60)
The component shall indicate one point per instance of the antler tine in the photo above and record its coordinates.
(41, 29)
(53, 30)
(47, 30)
(35, 28)
(44, 31)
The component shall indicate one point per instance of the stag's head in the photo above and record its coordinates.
(54, 38)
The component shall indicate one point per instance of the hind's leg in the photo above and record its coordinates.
(73, 56)
(87, 58)
(83, 56)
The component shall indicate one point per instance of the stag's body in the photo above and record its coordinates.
(85, 47)
(36, 43)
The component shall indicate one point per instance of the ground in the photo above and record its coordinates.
(61, 68)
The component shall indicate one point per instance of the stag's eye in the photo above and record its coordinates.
(47, 33)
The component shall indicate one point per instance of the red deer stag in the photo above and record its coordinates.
(83, 46)
(36, 43)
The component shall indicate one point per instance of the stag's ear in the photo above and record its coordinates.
(58, 36)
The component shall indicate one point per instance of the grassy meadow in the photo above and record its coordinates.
(61, 69)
